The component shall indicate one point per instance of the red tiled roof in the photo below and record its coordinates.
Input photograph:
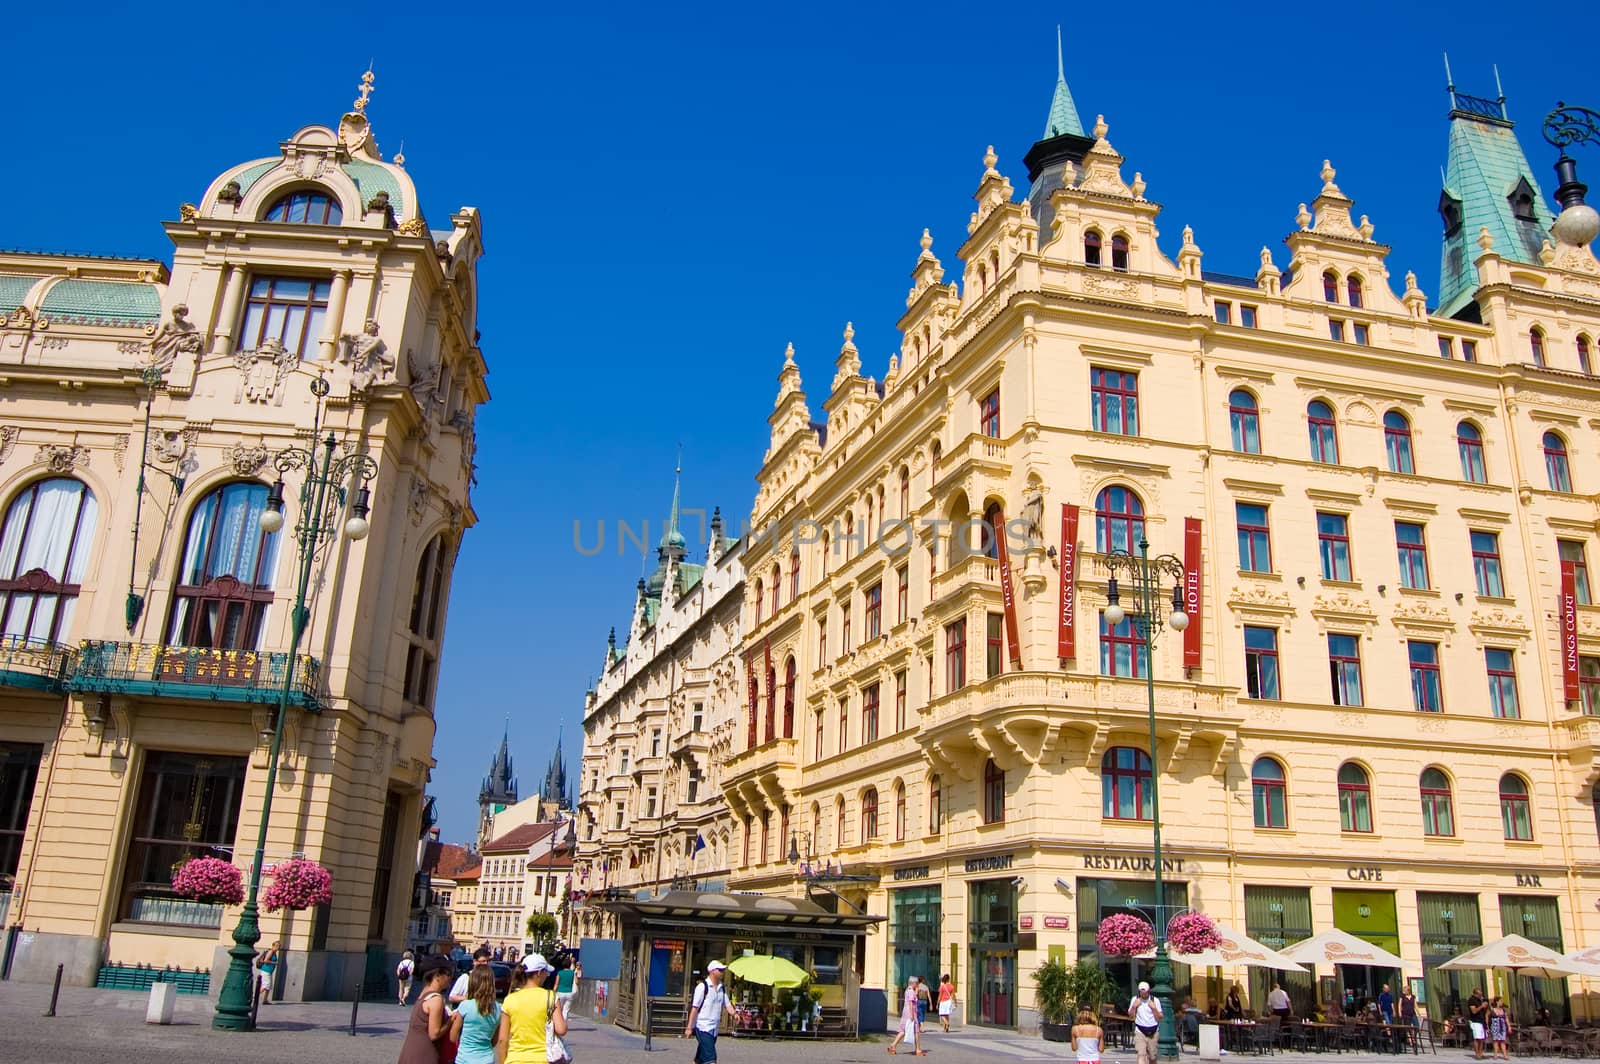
(453, 860)
(519, 838)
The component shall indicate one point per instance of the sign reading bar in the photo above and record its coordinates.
(1569, 632)
(1191, 592)
(1057, 923)
(1065, 646)
(912, 872)
(1008, 599)
(995, 863)
(1113, 863)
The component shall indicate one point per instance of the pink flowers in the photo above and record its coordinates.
(297, 883)
(209, 879)
(1123, 935)
(1191, 932)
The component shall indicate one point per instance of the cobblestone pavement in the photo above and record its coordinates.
(107, 1027)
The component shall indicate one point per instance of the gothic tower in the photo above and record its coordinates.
(499, 788)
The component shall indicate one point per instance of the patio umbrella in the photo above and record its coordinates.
(1516, 954)
(1584, 961)
(769, 971)
(1234, 949)
(1340, 947)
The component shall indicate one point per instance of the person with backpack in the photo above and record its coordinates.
(402, 974)
(705, 1013)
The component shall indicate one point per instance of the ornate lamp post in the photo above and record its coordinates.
(1144, 576)
(1578, 223)
(322, 496)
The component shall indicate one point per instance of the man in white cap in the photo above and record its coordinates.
(705, 1013)
(1145, 1008)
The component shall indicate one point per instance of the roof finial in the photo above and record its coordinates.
(1449, 81)
(1061, 67)
(400, 156)
(365, 90)
(1498, 88)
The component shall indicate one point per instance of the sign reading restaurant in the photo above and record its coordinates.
(994, 863)
(1104, 862)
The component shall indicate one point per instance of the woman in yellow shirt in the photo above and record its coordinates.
(525, 1013)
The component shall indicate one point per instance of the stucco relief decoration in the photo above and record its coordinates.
(8, 440)
(262, 372)
(175, 337)
(247, 460)
(119, 450)
(425, 377)
(62, 458)
(1359, 413)
(21, 318)
(367, 356)
(417, 502)
(1110, 285)
(1333, 210)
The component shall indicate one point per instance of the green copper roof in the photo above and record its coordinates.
(1485, 168)
(253, 173)
(1063, 112)
(370, 179)
(102, 302)
(13, 290)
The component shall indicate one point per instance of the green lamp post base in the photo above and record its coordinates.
(239, 985)
(1161, 990)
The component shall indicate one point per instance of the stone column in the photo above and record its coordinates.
(328, 342)
(228, 320)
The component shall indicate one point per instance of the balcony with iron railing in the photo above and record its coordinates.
(35, 664)
(201, 673)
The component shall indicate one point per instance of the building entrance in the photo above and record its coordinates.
(914, 920)
(992, 945)
(1369, 915)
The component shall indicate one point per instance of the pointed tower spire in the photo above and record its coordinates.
(672, 541)
(1063, 117)
(1052, 159)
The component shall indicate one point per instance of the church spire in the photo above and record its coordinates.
(1052, 160)
(672, 541)
(1063, 117)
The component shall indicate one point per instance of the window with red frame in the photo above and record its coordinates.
(869, 713)
(844, 724)
(777, 582)
(935, 804)
(817, 751)
(1330, 287)
(1324, 432)
(1122, 650)
(873, 598)
(1589, 686)
(1119, 253)
(772, 703)
(1516, 815)
(1355, 798)
(1118, 520)
(1584, 365)
(994, 793)
(1536, 345)
(955, 655)
(761, 595)
(752, 738)
(1092, 245)
(869, 814)
(994, 649)
(905, 493)
(766, 832)
(1557, 469)
(1269, 793)
(788, 698)
(900, 679)
(1125, 784)
(1397, 442)
(794, 574)
(1352, 287)
(1469, 445)
(1438, 813)
(989, 414)
(844, 628)
(1114, 401)
(902, 594)
(899, 812)
(993, 532)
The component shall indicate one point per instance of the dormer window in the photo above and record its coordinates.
(1119, 253)
(1450, 213)
(1521, 201)
(306, 207)
(1091, 248)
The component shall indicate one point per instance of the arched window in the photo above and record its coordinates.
(1355, 798)
(761, 598)
(905, 493)
(1330, 287)
(1269, 793)
(794, 572)
(1125, 784)
(777, 582)
(1469, 445)
(838, 822)
(1584, 365)
(994, 793)
(816, 830)
(1438, 811)
(44, 550)
(306, 206)
(936, 452)
(1118, 520)
(935, 804)
(427, 622)
(825, 548)
(788, 698)
(224, 583)
(849, 532)
(993, 534)
(1515, 815)
(1324, 432)
(869, 814)
(899, 811)
(772, 703)
(1091, 247)
(1244, 420)
(1119, 253)
(1536, 345)
(1556, 466)
(1397, 442)
(883, 513)
(1353, 288)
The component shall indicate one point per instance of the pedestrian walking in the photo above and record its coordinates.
(1145, 1008)
(910, 1028)
(1478, 1017)
(1087, 1038)
(267, 968)
(403, 973)
(476, 1026)
(1386, 1004)
(705, 1013)
(430, 1023)
(924, 1002)
(1408, 1007)
(1500, 1029)
(527, 1014)
(947, 1001)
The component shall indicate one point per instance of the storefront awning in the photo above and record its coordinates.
(682, 908)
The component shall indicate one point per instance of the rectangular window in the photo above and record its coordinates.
(1122, 652)
(1502, 682)
(989, 414)
(696, 720)
(1261, 662)
(1447, 347)
(1589, 686)
(1223, 312)
(900, 680)
(1114, 401)
(817, 746)
(869, 713)
(1412, 550)
(624, 759)
(290, 310)
(844, 627)
(19, 772)
(655, 742)
(955, 655)
(822, 641)
(1336, 329)
(1427, 694)
(902, 594)
(1255, 545)
(1361, 335)
(1571, 550)
(1247, 315)
(844, 724)
(874, 611)
(1333, 545)
(1344, 669)
(1469, 350)
(994, 645)
(1486, 564)
(650, 802)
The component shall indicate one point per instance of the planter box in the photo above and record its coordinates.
(1056, 1032)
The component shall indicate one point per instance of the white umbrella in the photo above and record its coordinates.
(1585, 961)
(1233, 949)
(1517, 954)
(1340, 947)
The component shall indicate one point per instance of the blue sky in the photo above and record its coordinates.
(670, 193)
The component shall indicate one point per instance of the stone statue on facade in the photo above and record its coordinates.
(424, 385)
(178, 336)
(367, 356)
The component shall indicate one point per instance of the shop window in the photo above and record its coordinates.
(187, 805)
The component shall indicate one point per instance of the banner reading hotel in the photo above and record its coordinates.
(1007, 597)
(1569, 632)
(1065, 618)
(1191, 592)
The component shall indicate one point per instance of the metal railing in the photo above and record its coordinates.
(194, 672)
(37, 664)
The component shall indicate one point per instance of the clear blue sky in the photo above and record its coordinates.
(670, 193)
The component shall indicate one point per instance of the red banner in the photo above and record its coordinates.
(750, 674)
(1007, 597)
(772, 691)
(1569, 632)
(1191, 592)
(1065, 643)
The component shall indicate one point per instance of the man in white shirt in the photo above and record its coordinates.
(1278, 1002)
(705, 1013)
(458, 992)
(1145, 1008)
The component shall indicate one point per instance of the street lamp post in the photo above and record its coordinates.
(1578, 223)
(1144, 574)
(322, 497)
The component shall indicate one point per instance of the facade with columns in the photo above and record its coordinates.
(657, 727)
(147, 409)
(1371, 722)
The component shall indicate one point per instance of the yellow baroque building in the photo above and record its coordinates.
(146, 614)
(1369, 724)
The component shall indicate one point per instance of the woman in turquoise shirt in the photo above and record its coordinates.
(477, 1020)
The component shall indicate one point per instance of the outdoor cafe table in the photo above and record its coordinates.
(1234, 1034)
(1320, 1036)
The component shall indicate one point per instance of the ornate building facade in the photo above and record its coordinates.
(146, 609)
(1371, 722)
(657, 726)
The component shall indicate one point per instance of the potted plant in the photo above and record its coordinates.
(1052, 997)
(297, 883)
(209, 880)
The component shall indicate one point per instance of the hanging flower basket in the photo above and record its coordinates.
(297, 883)
(1122, 935)
(209, 879)
(1191, 933)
